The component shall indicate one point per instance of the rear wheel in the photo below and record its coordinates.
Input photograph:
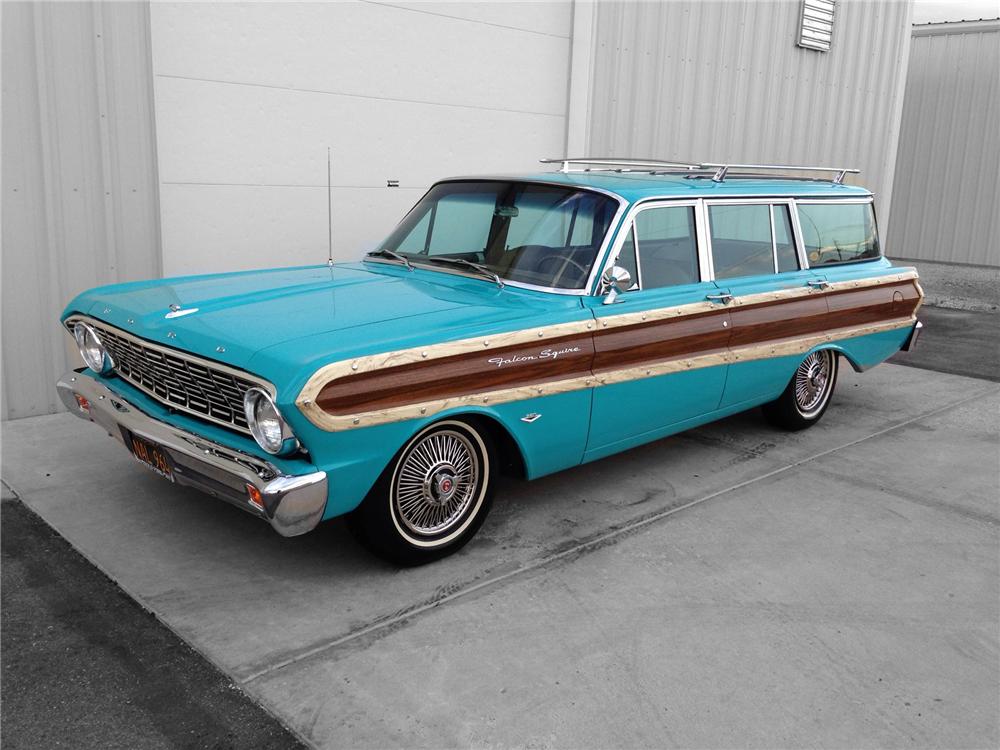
(433, 496)
(808, 393)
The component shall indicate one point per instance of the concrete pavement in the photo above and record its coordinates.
(729, 586)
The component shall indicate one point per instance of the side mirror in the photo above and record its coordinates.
(615, 281)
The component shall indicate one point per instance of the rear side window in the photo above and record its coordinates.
(741, 240)
(838, 232)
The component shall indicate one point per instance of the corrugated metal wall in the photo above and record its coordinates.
(946, 204)
(79, 177)
(715, 81)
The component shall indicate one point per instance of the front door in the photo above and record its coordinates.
(661, 347)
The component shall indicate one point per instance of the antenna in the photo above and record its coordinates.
(329, 209)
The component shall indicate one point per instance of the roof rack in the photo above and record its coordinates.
(720, 171)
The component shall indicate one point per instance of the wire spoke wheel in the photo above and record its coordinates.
(436, 483)
(813, 382)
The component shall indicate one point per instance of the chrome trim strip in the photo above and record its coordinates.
(182, 354)
(293, 503)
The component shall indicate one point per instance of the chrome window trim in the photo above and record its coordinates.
(181, 353)
(582, 291)
(628, 224)
(774, 240)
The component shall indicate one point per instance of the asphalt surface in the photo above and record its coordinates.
(959, 342)
(84, 666)
(789, 601)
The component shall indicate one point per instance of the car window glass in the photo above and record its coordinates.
(460, 223)
(741, 240)
(546, 235)
(668, 249)
(783, 242)
(416, 240)
(838, 232)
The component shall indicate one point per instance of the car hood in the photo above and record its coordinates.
(298, 316)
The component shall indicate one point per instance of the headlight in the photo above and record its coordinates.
(267, 425)
(91, 349)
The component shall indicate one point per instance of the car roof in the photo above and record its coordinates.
(635, 186)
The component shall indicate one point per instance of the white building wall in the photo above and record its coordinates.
(249, 96)
(725, 80)
(946, 204)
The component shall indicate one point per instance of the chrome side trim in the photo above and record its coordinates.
(293, 504)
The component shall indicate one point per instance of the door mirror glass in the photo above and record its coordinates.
(615, 281)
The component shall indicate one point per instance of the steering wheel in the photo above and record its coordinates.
(566, 261)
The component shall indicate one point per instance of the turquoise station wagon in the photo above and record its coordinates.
(524, 324)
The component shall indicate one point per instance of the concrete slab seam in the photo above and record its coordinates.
(589, 545)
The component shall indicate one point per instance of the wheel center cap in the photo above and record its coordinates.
(443, 486)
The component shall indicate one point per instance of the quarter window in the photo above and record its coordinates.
(838, 232)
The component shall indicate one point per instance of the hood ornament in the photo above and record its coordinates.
(176, 311)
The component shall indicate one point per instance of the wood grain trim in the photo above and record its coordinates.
(333, 423)
(322, 390)
(374, 362)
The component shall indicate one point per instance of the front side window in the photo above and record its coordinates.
(667, 246)
(537, 234)
(838, 232)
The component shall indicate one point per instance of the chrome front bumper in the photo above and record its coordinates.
(292, 504)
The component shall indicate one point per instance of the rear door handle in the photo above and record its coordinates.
(818, 284)
(723, 297)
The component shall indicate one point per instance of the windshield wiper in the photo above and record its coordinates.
(384, 253)
(469, 264)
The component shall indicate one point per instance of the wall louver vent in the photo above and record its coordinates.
(816, 24)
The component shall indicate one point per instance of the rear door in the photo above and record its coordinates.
(660, 348)
(757, 259)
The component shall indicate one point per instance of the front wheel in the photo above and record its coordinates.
(808, 393)
(432, 497)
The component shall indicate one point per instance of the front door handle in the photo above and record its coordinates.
(818, 284)
(723, 297)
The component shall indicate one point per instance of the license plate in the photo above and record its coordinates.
(150, 455)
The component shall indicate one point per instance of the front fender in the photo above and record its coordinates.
(354, 459)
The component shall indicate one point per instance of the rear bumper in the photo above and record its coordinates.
(292, 504)
(911, 341)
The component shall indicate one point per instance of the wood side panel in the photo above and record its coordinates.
(662, 339)
(458, 375)
(798, 316)
(872, 304)
(516, 365)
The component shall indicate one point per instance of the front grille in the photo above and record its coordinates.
(178, 380)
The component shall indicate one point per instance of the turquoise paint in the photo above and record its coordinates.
(623, 410)
(283, 324)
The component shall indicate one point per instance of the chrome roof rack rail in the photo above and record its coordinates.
(607, 164)
(722, 169)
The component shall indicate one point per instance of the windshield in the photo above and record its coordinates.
(536, 234)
